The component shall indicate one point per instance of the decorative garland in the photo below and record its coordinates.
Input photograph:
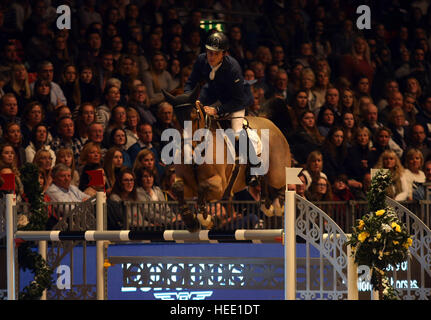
(37, 220)
(380, 239)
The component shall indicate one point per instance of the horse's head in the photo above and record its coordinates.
(184, 105)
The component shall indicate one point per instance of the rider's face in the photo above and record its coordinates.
(214, 57)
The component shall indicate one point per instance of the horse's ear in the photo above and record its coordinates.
(169, 98)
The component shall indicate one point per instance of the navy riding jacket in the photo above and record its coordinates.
(227, 92)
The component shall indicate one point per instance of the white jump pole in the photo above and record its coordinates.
(290, 234)
(10, 247)
(100, 283)
(42, 251)
(352, 276)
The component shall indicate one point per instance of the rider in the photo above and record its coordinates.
(225, 91)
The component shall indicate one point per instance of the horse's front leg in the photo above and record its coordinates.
(204, 218)
(187, 215)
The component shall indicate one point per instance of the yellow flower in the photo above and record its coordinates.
(363, 235)
(396, 227)
(380, 212)
(361, 224)
(395, 242)
(408, 243)
(378, 235)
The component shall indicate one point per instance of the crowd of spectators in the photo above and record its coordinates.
(90, 97)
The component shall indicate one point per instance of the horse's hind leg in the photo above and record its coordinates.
(266, 207)
(187, 215)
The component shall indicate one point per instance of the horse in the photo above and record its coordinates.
(213, 181)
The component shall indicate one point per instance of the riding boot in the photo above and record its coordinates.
(251, 180)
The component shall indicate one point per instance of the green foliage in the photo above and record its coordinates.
(38, 217)
(380, 239)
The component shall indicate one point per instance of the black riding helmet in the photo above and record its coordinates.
(217, 42)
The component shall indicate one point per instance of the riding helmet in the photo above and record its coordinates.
(217, 42)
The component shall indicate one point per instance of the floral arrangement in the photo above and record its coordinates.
(380, 239)
(37, 219)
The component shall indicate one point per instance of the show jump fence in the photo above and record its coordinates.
(287, 236)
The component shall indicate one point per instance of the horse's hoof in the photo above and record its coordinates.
(191, 222)
(278, 211)
(205, 222)
(269, 212)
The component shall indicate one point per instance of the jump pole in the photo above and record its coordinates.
(10, 246)
(290, 234)
(100, 283)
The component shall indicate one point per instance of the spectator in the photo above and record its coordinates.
(282, 115)
(44, 161)
(118, 119)
(66, 157)
(86, 116)
(46, 73)
(340, 189)
(391, 86)
(299, 105)
(39, 141)
(348, 102)
(147, 159)
(88, 87)
(424, 116)
(69, 83)
(320, 190)
(348, 122)
(66, 137)
(409, 108)
(415, 176)
(139, 100)
(19, 85)
(325, 120)
(360, 158)
(397, 124)
(334, 151)
(294, 83)
(322, 84)
(112, 163)
(308, 80)
(12, 135)
(399, 189)
(313, 168)
(158, 78)
(111, 100)
(132, 122)
(306, 139)
(158, 214)
(118, 138)
(371, 120)
(417, 140)
(89, 159)
(125, 190)
(395, 100)
(61, 190)
(9, 110)
(422, 191)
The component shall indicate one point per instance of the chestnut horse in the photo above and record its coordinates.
(212, 181)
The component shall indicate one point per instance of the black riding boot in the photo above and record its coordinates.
(251, 180)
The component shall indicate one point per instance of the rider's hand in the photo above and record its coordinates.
(210, 111)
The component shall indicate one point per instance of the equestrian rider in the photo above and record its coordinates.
(225, 91)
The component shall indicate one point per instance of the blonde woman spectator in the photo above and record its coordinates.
(415, 176)
(399, 189)
(313, 168)
(19, 84)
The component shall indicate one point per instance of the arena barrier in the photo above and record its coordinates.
(287, 237)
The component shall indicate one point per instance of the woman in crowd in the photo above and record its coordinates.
(348, 102)
(132, 122)
(313, 168)
(306, 139)
(89, 159)
(19, 85)
(12, 135)
(112, 164)
(334, 151)
(139, 101)
(32, 116)
(414, 174)
(158, 78)
(39, 141)
(146, 158)
(41, 93)
(299, 105)
(86, 116)
(360, 158)
(348, 122)
(43, 160)
(167, 182)
(325, 120)
(320, 190)
(118, 138)
(66, 156)
(399, 189)
(69, 83)
(111, 97)
(90, 91)
(156, 214)
(308, 80)
(322, 84)
(118, 120)
(125, 190)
